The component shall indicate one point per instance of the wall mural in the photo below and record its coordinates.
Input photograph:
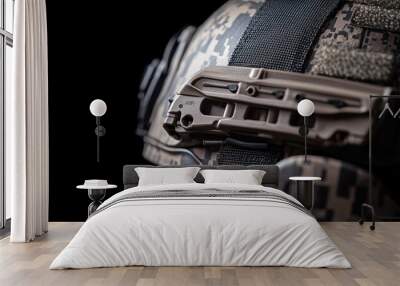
(237, 105)
(212, 97)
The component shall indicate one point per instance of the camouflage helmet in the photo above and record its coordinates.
(354, 44)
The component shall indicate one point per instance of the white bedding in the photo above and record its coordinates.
(200, 231)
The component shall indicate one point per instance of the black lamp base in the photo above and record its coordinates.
(372, 211)
(100, 131)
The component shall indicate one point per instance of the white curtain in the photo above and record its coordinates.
(27, 124)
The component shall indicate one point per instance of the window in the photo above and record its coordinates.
(6, 62)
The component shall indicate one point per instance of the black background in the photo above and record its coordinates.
(99, 49)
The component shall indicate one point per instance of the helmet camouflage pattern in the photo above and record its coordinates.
(354, 41)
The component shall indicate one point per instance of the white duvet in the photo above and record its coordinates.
(200, 231)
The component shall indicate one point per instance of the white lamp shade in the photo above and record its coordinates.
(305, 107)
(98, 107)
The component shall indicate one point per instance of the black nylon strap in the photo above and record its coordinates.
(281, 33)
(230, 154)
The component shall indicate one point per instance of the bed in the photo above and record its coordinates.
(201, 224)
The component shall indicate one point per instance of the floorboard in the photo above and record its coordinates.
(375, 257)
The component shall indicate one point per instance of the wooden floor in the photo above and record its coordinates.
(375, 257)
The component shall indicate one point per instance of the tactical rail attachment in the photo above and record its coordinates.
(219, 102)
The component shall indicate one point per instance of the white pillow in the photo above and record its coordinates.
(247, 177)
(164, 176)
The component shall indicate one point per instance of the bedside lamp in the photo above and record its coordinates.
(98, 108)
(305, 108)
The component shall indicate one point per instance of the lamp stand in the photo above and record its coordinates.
(364, 217)
(305, 140)
(99, 131)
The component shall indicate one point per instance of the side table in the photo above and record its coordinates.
(96, 192)
(306, 194)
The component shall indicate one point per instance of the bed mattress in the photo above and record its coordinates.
(201, 225)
